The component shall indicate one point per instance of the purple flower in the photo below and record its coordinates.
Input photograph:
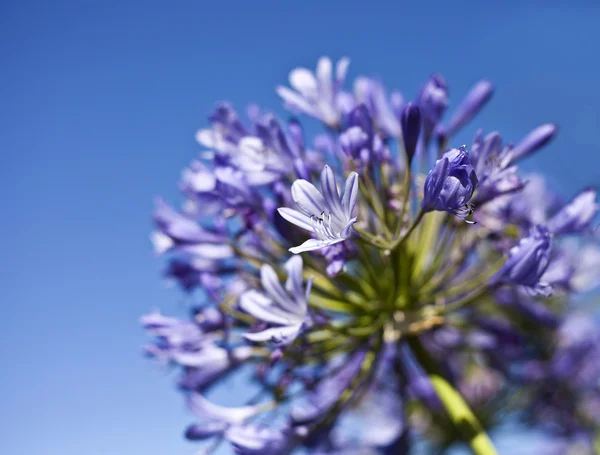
(477, 97)
(176, 341)
(411, 126)
(209, 364)
(492, 165)
(527, 261)
(450, 184)
(323, 213)
(576, 216)
(213, 419)
(287, 308)
(316, 94)
(176, 231)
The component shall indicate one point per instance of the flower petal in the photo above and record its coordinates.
(350, 194)
(314, 244)
(271, 284)
(261, 307)
(206, 410)
(296, 101)
(304, 82)
(308, 198)
(330, 192)
(278, 335)
(294, 280)
(295, 217)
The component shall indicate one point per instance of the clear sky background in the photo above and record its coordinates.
(99, 103)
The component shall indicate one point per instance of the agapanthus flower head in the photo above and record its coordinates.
(370, 302)
(450, 184)
(323, 213)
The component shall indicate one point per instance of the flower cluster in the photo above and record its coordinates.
(377, 272)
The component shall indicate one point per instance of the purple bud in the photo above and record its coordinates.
(433, 101)
(477, 97)
(528, 260)
(450, 184)
(411, 126)
(534, 141)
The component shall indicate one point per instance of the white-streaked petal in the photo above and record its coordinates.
(295, 217)
(314, 244)
(206, 410)
(272, 286)
(278, 335)
(293, 284)
(304, 82)
(330, 192)
(341, 69)
(350, 194)
(263, 308)
(296, 101)
(309, 283)
(324, 69)
(308, 198)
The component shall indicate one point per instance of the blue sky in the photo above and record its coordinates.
(99, 102)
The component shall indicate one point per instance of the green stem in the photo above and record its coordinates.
(458, 410)
(400, 240)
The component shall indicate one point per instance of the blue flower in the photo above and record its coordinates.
(322, 213)
(286, 309)
(450, 184)
(316, 94)
(576, 216)
(214, 419)
(527, 261)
